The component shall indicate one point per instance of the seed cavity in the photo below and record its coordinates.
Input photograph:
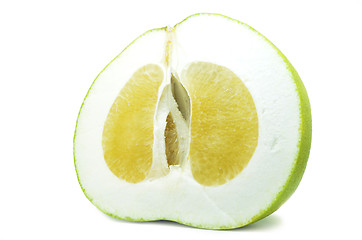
(171, 142)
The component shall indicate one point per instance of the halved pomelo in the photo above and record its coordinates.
(206, 123)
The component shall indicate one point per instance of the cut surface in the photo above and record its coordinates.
(224, 124)
(128, 131)
(206, 124)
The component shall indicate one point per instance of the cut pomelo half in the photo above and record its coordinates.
(206, 123)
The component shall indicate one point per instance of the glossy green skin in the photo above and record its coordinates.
(300, 162)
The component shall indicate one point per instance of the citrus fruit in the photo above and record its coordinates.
(205, 123)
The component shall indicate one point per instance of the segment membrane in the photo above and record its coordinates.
(128, 131)
(224, 123)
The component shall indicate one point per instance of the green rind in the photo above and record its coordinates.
(300, 161)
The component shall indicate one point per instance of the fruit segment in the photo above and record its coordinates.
(128, 131)
(224, 123)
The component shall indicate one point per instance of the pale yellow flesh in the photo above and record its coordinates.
(224, 125)
(128, 131)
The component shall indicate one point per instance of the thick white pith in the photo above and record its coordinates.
(177, 196)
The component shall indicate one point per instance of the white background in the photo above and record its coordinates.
(50, 52)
